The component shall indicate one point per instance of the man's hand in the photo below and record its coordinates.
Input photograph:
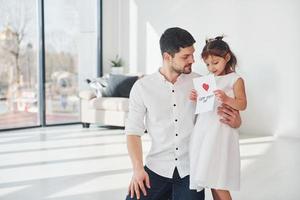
(229, 116)
(139, 180)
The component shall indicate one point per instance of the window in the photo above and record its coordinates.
(71, 29)
(18, 64)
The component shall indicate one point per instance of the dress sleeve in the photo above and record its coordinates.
(234, 78)
(137, 110)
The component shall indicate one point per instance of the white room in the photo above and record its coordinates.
(264, 37)
(73, 150)
(262, 34)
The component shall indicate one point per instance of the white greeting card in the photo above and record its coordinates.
(205, 86)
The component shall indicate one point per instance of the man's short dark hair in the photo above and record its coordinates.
(175, 38)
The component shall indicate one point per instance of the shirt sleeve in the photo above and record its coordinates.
(135, 124)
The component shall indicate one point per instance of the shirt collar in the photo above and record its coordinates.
(162, 77)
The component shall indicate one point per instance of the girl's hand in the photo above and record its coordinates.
(193, 95)
(221, 96)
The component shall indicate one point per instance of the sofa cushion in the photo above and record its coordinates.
(110, 103)
(97, 85)
(118, 85)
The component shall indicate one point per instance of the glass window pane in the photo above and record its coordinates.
(71, 50)
(18, 64)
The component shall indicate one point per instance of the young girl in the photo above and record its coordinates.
(214, 147)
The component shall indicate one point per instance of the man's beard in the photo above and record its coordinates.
(186, 70)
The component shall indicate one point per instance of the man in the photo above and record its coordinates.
(160, 104)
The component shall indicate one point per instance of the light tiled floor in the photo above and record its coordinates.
(71, 163)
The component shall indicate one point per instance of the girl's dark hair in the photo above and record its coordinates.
(175, 38)
(218, 47)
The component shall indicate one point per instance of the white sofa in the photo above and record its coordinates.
(111, 111)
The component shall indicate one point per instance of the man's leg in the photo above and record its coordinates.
(161, 188)
(181, 189)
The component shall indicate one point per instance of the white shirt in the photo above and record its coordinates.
(164, 109)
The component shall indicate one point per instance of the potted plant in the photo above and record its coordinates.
(117, 65)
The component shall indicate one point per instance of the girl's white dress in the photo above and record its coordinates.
(214, 147)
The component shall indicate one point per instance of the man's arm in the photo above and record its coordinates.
(229, 116)
(135, 150)
(134, 129)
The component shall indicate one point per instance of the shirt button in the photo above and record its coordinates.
(176, 148)
(176, 120)
(173, 91)
(176, 159)
(174, 105)
(176, 134)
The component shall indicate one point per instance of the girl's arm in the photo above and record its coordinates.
(240, 100)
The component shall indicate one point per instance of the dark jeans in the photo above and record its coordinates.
(175, 188)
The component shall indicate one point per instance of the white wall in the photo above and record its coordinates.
(111, 31)
(264, 34)
(86, 40)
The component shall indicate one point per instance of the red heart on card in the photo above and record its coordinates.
(205, 86)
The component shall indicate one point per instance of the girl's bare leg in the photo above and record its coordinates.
(221, 194)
